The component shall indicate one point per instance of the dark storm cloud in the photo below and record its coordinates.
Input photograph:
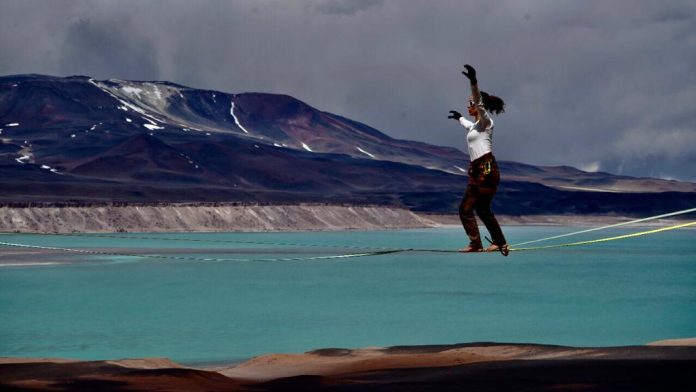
(102, 46)
(593, 84)
(346, 7)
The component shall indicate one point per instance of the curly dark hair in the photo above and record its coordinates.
(492, 103)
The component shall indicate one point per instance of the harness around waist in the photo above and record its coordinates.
(482, 164)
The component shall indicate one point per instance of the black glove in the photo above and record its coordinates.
(455, 115)
(470, 73)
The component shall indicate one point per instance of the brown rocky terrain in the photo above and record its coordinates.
(471, 366)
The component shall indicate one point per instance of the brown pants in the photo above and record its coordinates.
(484, 177)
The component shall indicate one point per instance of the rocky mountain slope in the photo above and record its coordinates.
(80, 140)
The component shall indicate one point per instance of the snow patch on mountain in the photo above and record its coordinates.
(26, 155)
(152, 125)
(132, 90)
(154, 96)
(236, 120)
(366, 153)
(116, 93)
(306, 147)
(189, 160)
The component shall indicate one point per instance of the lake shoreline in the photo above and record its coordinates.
(233, 217)
(561, 220)
(190, 217)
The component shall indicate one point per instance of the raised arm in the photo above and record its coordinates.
(470, 73)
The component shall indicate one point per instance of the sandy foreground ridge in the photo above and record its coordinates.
(659, 366)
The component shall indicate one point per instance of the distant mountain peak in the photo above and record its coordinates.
(158, 132)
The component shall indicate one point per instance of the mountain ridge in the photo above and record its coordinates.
(154, 141)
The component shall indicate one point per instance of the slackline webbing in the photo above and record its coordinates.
(349, 255)
(141, 237)
(606, 239)
(374, 251)
(190, 258)
(610, 226)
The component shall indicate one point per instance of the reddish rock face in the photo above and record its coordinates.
(482, 366)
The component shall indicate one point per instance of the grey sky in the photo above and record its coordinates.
(606, 85)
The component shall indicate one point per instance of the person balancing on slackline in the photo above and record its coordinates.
(484, 175)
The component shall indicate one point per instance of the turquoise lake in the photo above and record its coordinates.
(626, 292)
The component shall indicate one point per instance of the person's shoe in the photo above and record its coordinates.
(471, 249)
(504, 249)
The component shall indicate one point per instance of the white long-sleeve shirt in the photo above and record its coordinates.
(480, 136)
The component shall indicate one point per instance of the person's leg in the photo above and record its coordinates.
(466, 215)
(483, 210)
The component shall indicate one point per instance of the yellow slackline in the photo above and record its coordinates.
(370, 250)
(618, 237)
(610, 226)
